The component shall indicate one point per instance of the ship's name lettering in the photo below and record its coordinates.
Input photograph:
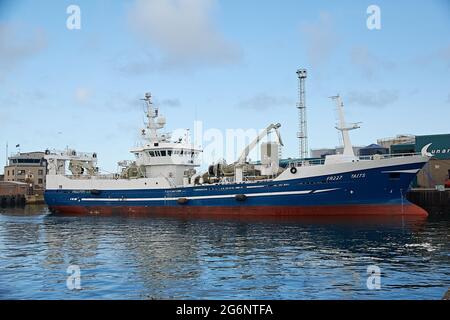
(358, 175)
(334, 178)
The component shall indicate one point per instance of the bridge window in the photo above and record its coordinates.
(169, 153)
(163, 153)
(151, 153)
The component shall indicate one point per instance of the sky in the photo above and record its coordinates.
(229, 64)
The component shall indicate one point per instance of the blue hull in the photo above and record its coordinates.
(365, 190)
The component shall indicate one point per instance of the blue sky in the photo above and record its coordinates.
(230, 64)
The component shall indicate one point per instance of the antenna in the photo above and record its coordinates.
(343, 127)
(302, 133)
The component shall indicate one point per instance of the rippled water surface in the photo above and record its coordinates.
(186, 258)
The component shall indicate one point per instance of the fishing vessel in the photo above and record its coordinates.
(163, 180)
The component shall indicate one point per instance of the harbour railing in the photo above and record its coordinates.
(321, 161)
(307, 163)
(388, 156)
(93, 177)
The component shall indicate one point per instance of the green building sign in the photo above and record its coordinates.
(440, 145)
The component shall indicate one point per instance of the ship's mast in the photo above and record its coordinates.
(151, 114)
(343, 127)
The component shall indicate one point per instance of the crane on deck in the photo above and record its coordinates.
(239, 164)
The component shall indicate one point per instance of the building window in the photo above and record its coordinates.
(40, 172)
(20, 172)
(27, 161)
(40, 181)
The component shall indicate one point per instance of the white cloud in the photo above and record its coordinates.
(14, 102)
(13, 99)
(367, 62)
(377, 99)
(320, 38)
(82, 95)
(183, 31)
(264, 101)
(440, 55)
(444, 55)
(137, 63)
(18, 44)
(168, 102)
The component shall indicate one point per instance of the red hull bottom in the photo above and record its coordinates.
(266, 211)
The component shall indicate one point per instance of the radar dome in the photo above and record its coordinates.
(161, 121)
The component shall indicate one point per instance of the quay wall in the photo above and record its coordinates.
(432, 200)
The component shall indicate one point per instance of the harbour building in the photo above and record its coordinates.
(437, 171)
(28, 167)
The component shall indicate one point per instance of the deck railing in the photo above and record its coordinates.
(388, 156)
(321, 161)
(93, 177)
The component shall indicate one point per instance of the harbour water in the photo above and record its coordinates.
(207, 258)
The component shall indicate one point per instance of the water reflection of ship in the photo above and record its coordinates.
(167, 256)
(164, 240)
(70, 242)
(167, 252)
(174, 257)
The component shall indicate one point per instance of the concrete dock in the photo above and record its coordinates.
(433, 201)
(13, 193)
(35, 199)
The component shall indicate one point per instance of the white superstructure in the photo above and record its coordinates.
(159, 161)
(159, 156)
